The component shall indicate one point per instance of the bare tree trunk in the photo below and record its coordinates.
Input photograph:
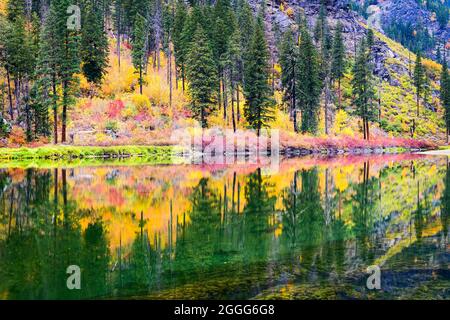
(447, 131)
(170, 74)
(364, 127)
(295, 120)
(273, 76)
(339, 93)
(64, 112)
(225, 102)
(219, 96)
(232, 111)
(8, 80)
(140, 79)
(367, 126)
(176, 72)
(237, 104)
(55, 111)
(418, 103)
(118, 33)
(182, 78)
(17, 85)
(327, 94)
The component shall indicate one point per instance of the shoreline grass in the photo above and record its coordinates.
(76, 156)
(87, 152)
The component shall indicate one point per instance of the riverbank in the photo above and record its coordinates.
(168, 154)
(61, 152)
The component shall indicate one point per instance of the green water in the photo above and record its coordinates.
(308, 231)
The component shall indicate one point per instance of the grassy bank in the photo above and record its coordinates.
(158, 153)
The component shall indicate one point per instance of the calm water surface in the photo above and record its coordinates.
(308, 231)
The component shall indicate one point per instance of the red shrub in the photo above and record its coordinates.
(115, 108)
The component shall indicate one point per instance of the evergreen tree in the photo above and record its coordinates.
(46, 72)
(195, 18)
(65, 51)
(319, 29)
(202, 76)
(338, 60)
(445, 97)
(257, 91)
(15, 9)
(326, 44)
(139, 48)
(419, 79)
(370, 39)
(362, 86)
(308, 82)
(94, 45)
(233, 66)
(42, 95)
(246, 23)
(177, 39)
(289, 56)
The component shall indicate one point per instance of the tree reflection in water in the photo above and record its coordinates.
(231, 233)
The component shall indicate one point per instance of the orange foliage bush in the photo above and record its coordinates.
(17, 136)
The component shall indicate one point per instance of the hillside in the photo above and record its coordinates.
(150, 89)
(393, 65)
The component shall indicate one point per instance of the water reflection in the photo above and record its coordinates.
(308, 231)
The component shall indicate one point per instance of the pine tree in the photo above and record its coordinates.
(118, 24)
(189, 28)
(326, 44)
(138, 49)
(47, 67)
(445, 97)
(94, 45)
(202, 76)
(246, 23)
(233, 66)
(362, 86)
(419, 79)
(319, 29)
(308, 82)
(65, 52)
(42, 95)
(289, 56)
(338, 60)
(370, 39)
(179, 49)
(15, 9)
(257, 91)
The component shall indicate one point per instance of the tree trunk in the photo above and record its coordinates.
(182, 77)
(27, 113)
(339, 94)
(367, 129)
(225, 102)
(219, 95)
(55, 111)
(364, 127)
(64, 112)
(237, 104)
(140, 79)
(17, 85)
(327, 84)
(295, 120)
(170, 75)
(158, 56)
(232, 111)
(273, 76)
(118, 35)
(8, 80)
(418, 103)
(447, 131)
(176, 72)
